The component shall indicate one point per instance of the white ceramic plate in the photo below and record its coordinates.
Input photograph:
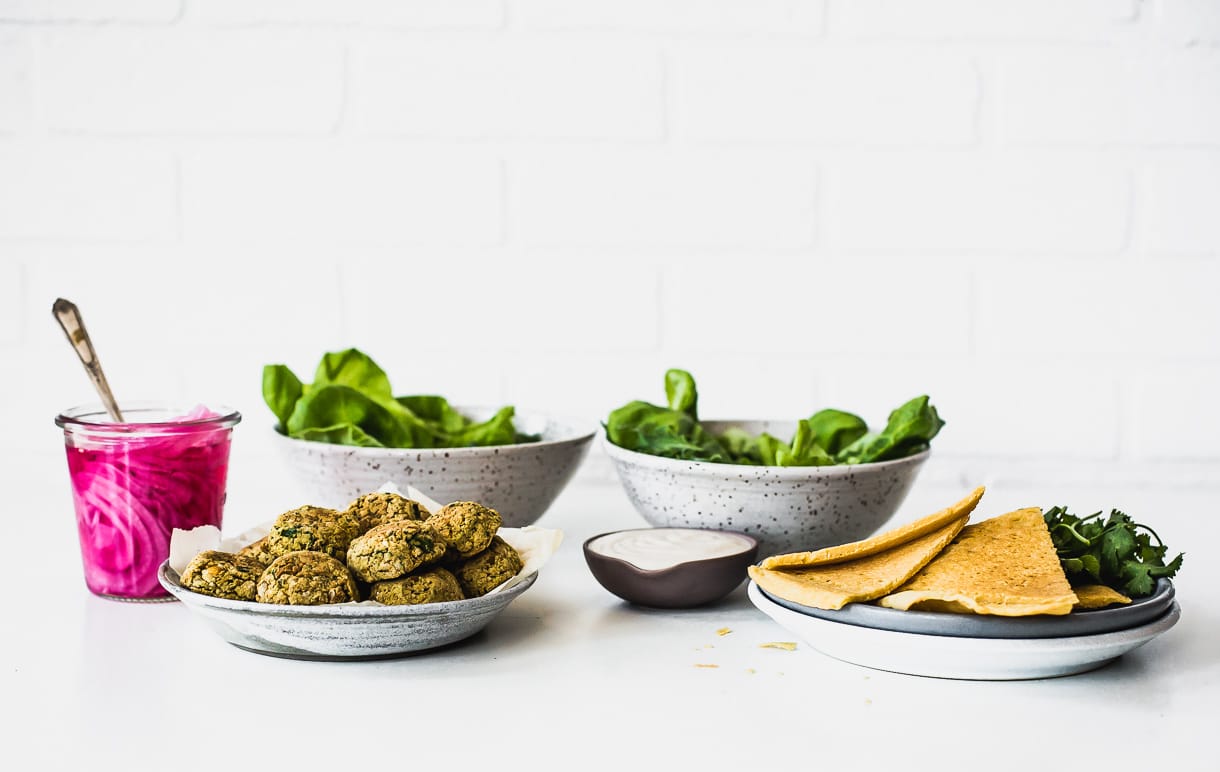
(981, 659)
(345, 630)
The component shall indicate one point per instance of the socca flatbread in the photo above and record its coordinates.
(834, 586)
(880, 542)
(1097, 596)
(1005, 566)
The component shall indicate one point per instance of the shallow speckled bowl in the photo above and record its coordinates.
(685, 585)
(342, 631)
(519, 481)
(788, 509)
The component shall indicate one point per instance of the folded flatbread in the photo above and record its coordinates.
(834, 586)
(1097, 596)
(880, 542)
(1004, 566)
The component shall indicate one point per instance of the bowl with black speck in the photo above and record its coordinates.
(788, 509)
(520, 481)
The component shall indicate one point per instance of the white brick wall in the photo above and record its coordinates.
(1013, 206)
(977, 205)
(517, 90)
(305, 192)
(764, 92)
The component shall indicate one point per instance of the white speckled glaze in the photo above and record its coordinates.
(788, 509)
(343, 631)
(519, 481)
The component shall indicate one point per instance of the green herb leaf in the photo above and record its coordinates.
(356, 369)
(281, 390)
(834, 430)
(350, 403)
(680, 392)
(1118, 552)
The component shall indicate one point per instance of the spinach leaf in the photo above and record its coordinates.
(350, 402)
(827, 437)
(803, 450)
(281, 390)
(740, 446)
(910, 429)
(680, 392)
(768, 449)
(329, 408)
(340, 434)
(436, 410)
(834, 430)
(497, 430)
(659, 431)
(353, 368)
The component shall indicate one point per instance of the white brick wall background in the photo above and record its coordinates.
(1011, 205)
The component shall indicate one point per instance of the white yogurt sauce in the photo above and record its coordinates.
(652, 549)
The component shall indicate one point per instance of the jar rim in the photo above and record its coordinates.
(93, 417)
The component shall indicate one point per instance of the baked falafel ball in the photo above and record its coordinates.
(489, 569)
(305, 578)
(394, 549)
(222, 575)
(374, 509)
(258, 551)
(312, 529)
(432, 586)
(466, 527)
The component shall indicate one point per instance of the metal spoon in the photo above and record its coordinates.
(68, 316)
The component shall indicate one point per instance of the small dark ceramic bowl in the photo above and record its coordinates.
(684, 585)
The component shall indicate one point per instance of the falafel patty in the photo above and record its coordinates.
(433, 586)
(306, 578)
(466, 527)
(394, 549)
(489, 569)
(258, 551)
(222, 575)
(312, 529)
(374, 509)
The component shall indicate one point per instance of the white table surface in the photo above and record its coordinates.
(570, 677)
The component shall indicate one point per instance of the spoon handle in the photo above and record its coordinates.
(68, 316)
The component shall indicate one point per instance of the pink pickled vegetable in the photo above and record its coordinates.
(133, 484)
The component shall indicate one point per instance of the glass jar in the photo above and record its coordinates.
(134, 482)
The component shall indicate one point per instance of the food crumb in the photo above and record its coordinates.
(723, 631)
(705, 664)
(785, 645)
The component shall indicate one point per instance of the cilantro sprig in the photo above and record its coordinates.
(1117, 552)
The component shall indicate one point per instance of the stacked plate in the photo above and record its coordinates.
(976, 647)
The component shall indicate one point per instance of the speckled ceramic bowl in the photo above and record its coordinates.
(342, 631)
(519, 481)
(788, 509)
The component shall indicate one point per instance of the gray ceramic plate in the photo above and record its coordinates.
(1077, 623)
(342, 631)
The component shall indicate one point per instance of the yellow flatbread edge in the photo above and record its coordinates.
(1090, 596)
(943, 587)
(881, 542)
(789, 585)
